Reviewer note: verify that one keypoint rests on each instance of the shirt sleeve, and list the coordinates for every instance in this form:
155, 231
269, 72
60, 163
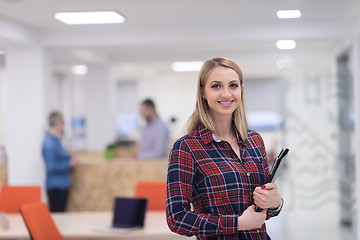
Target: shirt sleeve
275, 212
180, 218
57, 160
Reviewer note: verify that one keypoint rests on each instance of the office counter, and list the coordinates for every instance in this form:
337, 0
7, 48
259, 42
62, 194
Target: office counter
97, 181
3, 174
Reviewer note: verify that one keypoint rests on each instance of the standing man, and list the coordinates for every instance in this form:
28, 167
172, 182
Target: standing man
155, 136
58, 164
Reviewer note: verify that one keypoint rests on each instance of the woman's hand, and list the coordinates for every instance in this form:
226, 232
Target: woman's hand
267, 196
251, 219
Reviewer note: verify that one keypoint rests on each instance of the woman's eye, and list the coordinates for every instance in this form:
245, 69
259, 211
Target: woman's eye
234, 85
215, 86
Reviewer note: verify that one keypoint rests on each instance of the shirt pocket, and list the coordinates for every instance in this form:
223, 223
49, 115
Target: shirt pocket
254, 163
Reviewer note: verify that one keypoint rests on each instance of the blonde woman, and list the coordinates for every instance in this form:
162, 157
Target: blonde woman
217, 172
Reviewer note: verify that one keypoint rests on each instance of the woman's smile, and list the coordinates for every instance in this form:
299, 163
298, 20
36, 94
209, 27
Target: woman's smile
226, 103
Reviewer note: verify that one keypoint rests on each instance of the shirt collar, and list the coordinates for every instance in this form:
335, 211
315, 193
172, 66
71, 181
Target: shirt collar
207, 136
215, 138
52, 135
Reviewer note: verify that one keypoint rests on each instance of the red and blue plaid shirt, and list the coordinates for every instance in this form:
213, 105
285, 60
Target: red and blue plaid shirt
206, 173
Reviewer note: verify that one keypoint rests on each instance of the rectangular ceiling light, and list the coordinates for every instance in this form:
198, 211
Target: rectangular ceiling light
187, 66
102, 17
286, 44
288, 14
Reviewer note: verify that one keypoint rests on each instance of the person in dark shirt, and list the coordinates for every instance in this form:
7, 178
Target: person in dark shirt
218, 172
58, 164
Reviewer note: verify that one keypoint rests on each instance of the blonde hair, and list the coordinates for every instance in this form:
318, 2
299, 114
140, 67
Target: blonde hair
202, 114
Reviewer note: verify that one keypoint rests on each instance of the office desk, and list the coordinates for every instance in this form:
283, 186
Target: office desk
79, 225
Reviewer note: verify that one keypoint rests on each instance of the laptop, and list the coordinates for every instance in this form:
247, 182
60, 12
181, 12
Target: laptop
128, 215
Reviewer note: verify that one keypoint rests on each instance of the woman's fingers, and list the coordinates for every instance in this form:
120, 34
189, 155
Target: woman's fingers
266, 196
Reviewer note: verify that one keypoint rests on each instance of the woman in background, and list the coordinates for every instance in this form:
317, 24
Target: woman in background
217, 172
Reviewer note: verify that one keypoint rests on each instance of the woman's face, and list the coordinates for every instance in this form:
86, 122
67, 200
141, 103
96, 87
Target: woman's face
222, 91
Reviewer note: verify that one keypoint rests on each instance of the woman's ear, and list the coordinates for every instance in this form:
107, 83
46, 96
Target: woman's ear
203, 94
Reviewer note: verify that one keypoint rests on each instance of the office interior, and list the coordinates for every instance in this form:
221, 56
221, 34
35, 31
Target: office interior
305, 98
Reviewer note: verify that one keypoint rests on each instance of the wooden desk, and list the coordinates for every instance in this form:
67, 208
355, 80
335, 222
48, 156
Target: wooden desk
80, 226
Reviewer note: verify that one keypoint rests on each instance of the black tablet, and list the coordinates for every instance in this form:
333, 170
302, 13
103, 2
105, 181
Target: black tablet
275, 167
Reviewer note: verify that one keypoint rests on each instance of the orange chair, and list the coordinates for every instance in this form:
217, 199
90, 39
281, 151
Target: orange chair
155, 192
12, 197
39, 222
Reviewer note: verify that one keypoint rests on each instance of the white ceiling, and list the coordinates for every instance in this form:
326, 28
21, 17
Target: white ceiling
164, 30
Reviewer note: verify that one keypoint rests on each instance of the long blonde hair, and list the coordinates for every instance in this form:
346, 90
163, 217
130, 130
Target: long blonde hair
202, 114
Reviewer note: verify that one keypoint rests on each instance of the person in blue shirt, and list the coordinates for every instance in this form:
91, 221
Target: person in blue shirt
58, 164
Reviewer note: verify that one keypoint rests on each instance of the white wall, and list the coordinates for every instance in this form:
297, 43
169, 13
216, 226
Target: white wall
263, 94
2, 105
51, 87
99, 122
26, 71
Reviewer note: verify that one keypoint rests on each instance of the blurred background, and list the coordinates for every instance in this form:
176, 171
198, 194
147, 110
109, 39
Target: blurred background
303, 95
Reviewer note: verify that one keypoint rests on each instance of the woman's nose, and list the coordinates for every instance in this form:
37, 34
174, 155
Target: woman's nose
226, 93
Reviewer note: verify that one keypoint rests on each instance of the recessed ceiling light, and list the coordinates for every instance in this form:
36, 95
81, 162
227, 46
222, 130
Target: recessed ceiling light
79, 69
284, 62
288, 14
187, 66
103, 17
286, 44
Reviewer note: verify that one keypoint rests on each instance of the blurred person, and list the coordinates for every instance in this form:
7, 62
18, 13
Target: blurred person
217, 173
58, 164
155, 136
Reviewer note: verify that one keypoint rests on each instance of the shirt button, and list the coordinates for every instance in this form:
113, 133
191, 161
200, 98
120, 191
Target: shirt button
248, 174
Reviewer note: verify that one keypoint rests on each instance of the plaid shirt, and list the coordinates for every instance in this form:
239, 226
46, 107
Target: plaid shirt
206, 173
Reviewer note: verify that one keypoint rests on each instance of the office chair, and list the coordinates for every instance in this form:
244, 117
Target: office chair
154, 191
12, 197
39, 222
